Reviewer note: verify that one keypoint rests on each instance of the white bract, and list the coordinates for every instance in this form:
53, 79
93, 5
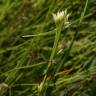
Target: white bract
3, 85
58, 16
61, 16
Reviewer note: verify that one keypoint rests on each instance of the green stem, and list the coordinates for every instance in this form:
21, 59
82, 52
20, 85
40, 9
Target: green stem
57, 37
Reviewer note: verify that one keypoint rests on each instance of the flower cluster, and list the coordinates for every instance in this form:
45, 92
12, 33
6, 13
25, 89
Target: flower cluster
61, 16
3, 85
58, 16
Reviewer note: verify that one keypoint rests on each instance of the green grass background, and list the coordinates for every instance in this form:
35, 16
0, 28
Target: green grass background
27, 34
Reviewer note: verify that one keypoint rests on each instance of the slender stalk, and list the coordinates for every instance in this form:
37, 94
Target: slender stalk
57, 37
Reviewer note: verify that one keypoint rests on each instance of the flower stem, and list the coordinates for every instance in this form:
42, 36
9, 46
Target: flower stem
57, 37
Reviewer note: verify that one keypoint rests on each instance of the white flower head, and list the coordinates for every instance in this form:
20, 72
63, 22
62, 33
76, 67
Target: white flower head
3, 85
58, 16
61, 16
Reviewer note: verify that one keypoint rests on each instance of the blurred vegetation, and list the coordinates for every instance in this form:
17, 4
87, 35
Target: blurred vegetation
27, 33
